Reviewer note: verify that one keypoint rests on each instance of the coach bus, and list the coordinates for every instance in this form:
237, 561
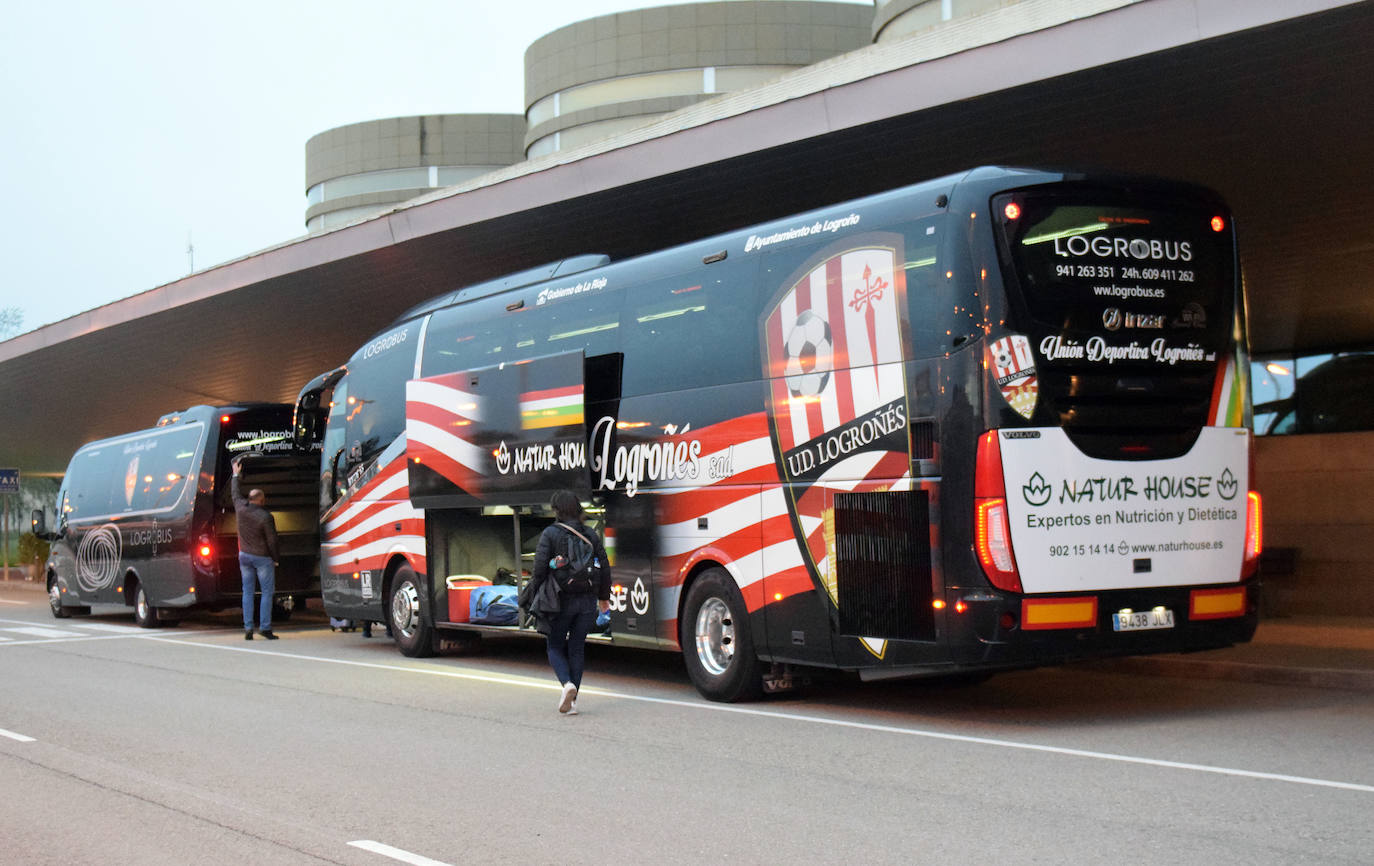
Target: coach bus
147, 520
992, 421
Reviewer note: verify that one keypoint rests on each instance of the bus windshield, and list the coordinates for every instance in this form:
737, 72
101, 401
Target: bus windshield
1095, 267
1129, 307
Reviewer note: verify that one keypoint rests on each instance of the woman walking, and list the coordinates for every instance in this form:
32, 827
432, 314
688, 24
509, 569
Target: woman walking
573, 556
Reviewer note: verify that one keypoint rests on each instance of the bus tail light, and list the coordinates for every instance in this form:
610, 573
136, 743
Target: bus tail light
1254, 536
1254, 524
205, 551
991, 524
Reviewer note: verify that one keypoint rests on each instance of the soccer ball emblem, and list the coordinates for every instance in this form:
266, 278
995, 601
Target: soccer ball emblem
808, 354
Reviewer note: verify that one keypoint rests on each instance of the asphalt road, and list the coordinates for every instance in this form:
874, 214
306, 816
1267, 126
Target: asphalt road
191, 746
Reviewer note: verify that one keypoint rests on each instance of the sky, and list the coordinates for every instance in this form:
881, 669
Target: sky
133, 130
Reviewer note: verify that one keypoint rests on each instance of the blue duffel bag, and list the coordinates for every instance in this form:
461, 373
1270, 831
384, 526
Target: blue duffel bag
494, 605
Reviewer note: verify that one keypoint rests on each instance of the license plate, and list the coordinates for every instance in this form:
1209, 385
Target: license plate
1143, 620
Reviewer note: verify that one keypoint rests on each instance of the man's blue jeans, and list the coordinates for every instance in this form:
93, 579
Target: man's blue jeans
257, 571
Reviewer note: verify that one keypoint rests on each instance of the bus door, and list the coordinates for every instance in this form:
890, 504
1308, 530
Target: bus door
320, 426
486, 449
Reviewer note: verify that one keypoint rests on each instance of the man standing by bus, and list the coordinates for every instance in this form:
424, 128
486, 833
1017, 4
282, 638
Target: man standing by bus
257, 554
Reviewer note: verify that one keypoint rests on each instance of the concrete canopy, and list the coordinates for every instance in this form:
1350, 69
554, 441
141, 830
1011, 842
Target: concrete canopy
1270, 103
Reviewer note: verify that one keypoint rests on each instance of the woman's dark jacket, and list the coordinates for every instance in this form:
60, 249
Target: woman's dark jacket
550, 545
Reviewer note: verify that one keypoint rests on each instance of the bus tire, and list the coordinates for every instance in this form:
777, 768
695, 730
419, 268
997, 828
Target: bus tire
144, 613
716, 643
406, 610
55, 600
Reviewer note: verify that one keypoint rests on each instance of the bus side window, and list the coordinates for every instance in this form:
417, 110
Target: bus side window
91, 477
938, 313
692, 330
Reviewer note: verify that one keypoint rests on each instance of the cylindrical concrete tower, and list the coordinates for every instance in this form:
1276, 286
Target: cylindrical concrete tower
364, 168
898, 18
601, 76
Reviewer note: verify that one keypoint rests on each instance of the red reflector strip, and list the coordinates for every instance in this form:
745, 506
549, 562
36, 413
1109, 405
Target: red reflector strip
1043, 613
1216, 603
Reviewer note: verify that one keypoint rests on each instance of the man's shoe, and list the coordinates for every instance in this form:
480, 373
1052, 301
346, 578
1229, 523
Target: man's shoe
248, 634
267, 633
565, 701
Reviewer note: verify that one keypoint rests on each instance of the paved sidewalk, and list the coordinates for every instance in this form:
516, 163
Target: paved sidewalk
1316, 651
1321, 651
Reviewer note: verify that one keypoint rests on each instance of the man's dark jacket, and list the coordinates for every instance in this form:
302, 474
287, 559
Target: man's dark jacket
257, 529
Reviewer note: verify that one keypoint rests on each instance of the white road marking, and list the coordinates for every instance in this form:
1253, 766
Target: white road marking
13, 736
105, 626
7, 601
79, 639
812, 720
40, 631
395, 853
76, 633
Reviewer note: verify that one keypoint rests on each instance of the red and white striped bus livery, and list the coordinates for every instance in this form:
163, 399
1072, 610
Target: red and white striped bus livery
992, 421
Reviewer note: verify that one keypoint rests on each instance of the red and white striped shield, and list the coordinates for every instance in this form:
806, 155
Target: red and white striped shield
837, 394
1013, 365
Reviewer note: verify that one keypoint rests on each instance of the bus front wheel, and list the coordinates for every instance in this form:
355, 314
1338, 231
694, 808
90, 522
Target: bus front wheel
716, 643
55, 600
414, 637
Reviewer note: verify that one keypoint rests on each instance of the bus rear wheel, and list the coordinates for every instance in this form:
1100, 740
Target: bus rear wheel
406, 608
716, 644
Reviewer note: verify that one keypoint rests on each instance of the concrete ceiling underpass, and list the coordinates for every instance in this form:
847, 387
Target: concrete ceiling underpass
1277, 117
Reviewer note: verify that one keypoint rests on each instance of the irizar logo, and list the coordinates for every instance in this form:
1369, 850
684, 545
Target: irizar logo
1114, 320
1036, 491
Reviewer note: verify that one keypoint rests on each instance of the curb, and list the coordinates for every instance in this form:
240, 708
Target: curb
1343, 679
1247, 672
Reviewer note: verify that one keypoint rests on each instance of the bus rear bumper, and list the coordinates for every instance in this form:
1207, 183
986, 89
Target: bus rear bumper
988, 631
1017, 630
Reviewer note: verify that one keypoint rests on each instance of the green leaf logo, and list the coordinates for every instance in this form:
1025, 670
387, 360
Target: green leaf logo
1227, 486
1036, 491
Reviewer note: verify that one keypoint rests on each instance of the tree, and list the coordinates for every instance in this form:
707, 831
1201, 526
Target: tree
11, 322
32, 549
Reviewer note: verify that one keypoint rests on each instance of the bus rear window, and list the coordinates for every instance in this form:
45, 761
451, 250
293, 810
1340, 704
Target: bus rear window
1094, 266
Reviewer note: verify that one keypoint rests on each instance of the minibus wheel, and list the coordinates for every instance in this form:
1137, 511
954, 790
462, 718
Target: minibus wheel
144, 614
55, 599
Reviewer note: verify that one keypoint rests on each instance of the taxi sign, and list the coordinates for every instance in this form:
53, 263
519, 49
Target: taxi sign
9, 480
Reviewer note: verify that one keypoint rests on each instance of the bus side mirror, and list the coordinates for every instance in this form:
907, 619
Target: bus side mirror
38, 524
312, 410
338, 482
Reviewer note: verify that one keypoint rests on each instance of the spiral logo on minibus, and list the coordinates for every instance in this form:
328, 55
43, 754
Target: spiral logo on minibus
97, 558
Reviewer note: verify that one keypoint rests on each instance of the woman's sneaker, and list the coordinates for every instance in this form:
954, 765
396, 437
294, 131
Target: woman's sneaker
568, 698
572, 710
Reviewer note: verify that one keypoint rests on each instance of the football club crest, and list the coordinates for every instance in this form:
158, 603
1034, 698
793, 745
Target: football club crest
833, 343
1013, 365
